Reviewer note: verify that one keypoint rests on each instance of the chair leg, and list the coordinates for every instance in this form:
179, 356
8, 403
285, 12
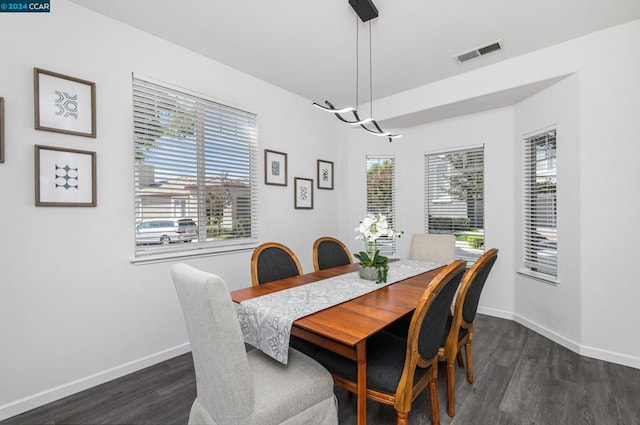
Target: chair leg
468, 348
433, 398
460, 360
402, 418
450, 388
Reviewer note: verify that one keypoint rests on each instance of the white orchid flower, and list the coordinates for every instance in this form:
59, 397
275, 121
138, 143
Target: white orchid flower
370, 229
374, 233
365, 227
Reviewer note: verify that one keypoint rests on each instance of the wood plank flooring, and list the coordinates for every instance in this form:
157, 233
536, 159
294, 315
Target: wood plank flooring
520, 378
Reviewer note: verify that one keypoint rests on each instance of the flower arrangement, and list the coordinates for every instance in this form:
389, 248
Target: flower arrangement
370, 230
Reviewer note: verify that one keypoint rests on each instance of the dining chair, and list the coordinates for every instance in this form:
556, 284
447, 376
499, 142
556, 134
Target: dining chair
460, 324
399, 369
236, 387
330, 252
435, 248
272, 261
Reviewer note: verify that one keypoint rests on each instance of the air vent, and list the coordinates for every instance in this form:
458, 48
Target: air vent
480, 51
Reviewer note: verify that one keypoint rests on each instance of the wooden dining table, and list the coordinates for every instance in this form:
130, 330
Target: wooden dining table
345, 328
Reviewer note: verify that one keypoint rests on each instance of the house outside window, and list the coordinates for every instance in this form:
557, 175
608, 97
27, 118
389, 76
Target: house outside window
454, 198
381, 195
540, 233
195, 160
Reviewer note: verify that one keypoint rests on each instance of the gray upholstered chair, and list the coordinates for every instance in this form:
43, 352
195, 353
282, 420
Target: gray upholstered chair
273, 261
330, 252
434, 248
236, 387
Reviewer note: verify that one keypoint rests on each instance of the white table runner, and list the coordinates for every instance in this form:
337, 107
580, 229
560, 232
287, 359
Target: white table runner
266, 321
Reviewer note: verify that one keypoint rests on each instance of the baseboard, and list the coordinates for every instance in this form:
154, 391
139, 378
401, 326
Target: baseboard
583, 350
553, 336
502, 314
610, 356
40, 399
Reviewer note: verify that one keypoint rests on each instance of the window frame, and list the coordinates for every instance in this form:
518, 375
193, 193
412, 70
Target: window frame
219, 145
532, 175
447, 207
386, 245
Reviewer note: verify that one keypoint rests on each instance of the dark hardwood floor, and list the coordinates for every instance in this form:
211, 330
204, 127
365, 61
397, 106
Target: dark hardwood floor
520, 378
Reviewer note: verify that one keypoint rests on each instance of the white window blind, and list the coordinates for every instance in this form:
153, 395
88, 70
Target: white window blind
454, 198
540, 237
195, 167
381, 196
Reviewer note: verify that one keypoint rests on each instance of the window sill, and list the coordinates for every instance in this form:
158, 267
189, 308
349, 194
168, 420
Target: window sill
162, 257
545, 278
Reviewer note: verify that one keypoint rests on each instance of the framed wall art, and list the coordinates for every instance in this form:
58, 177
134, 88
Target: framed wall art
325, 174
1, 129
275, 168
303, 192
65, 177
64, 104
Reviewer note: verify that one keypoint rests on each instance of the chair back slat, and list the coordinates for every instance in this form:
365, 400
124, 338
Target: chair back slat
272, 261
275, 264
484, 266
434, 324
330, 252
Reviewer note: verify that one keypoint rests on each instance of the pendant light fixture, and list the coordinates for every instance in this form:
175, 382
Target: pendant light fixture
366, 10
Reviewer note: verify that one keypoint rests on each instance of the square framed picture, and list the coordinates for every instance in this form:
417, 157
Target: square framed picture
325, 174
303, 192
64, 104
65, 177
1, 129
275, 168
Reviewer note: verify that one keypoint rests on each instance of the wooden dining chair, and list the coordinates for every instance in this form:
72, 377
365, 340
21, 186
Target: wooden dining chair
399, 369
431, 247
272, 261
460, 324
330, 252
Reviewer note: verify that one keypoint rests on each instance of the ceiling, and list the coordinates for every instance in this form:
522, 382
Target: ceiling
308, 46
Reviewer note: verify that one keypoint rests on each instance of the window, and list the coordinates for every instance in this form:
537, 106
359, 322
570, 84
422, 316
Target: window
454, 198
381, 196
540, 206
195, 161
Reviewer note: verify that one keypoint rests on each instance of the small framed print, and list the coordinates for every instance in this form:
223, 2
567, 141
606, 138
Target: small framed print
1, 129
303, 192
325, 174
65, 177
275, 168
64, 104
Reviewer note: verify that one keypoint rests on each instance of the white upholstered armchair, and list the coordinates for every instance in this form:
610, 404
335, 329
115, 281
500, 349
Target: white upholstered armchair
239, 388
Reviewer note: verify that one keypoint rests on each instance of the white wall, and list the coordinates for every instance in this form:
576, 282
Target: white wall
494, 129
610, 148
596, 296
74, 311
596, 109
540, 305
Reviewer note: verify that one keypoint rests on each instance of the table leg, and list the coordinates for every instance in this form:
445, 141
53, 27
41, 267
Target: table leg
361, 354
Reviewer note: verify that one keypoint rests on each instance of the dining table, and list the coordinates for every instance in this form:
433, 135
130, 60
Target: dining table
344, 328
